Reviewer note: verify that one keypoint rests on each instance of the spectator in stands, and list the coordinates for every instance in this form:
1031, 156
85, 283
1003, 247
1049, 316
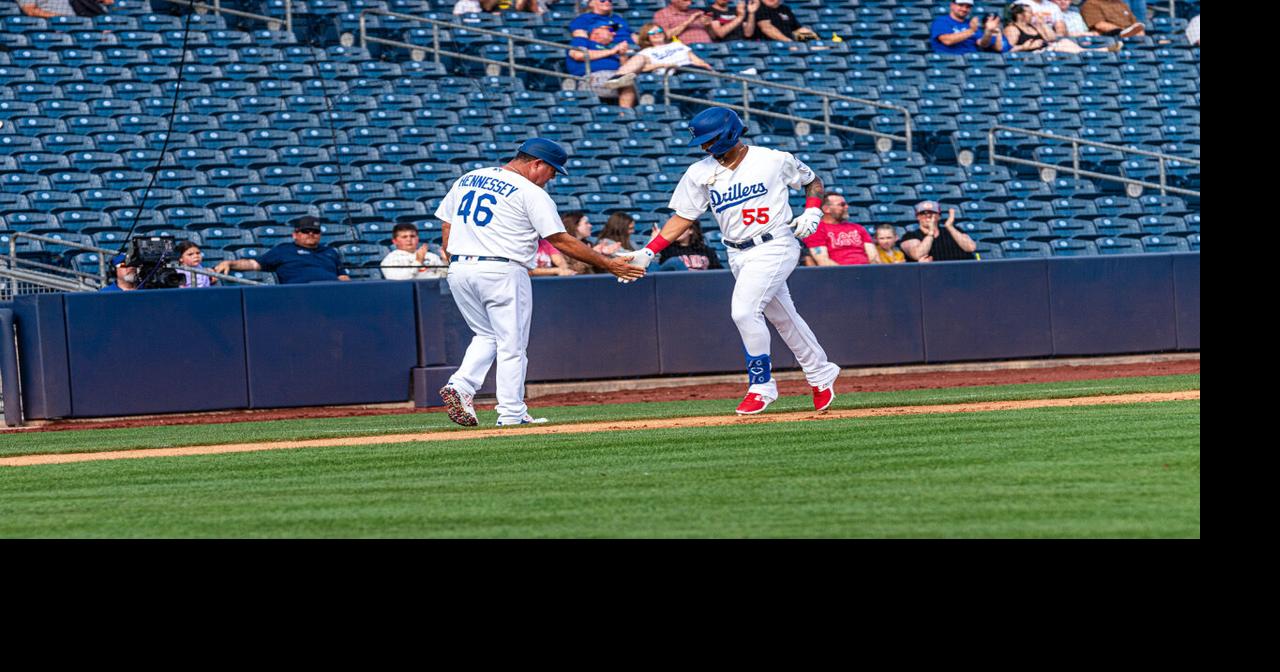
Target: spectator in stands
733, 25
1072, 21
606, 53
475, 6
577, 225
956, 33
839, 242
301, 261
1112, 18
927, 243
886, 239
656, 54
1193, 31
50, 8
190, 256
775, 21
126, 276
548, 261
1027, 31
683, 23
616, 236
1048, 12
689, 252
411, 260
601, 13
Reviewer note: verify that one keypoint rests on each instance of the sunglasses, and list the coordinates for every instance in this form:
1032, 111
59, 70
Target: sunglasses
310, 231
655, 31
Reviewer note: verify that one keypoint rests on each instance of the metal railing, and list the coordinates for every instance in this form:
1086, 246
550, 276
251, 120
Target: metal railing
513, 67
61, 279
273, 22
1075, 169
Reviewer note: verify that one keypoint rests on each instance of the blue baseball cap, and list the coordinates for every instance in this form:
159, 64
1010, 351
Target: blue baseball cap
548, 151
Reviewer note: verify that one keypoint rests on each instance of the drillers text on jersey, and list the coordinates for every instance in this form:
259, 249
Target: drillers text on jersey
736, 194
489, 184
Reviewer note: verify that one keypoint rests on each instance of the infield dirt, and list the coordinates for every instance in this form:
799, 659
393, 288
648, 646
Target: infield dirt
617, 426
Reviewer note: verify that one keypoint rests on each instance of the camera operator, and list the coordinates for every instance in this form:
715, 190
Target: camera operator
126, 276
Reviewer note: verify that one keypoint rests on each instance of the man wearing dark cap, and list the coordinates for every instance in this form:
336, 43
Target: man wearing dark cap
301, 261
492, 220
931, 243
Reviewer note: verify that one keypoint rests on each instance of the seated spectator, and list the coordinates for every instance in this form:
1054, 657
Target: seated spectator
775, 21
1112, 18
683, 23
301, 261
1027, 31
927, 243
50, 8
956, 33
410, 260
548, 261
475, 6
606, 54
1048, 12
601, 13
733, 25
656, 54
1073, 23
616, 236
190, 256
689, 252
1193, 31
886, 238
126, 276
838, 242
577, 225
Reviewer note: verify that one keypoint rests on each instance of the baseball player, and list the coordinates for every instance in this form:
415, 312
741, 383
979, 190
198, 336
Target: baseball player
492, 221
746, 189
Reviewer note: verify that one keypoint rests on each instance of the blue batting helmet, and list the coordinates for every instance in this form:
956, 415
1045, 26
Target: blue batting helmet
717, 124
548, 151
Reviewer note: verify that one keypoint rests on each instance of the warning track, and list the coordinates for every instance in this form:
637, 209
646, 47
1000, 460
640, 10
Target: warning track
588, 427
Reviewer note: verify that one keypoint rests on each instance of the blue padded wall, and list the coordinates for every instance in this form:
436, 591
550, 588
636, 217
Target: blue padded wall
42, 353
155, 351
433, 302
862, 315
1186, 283
592, 327
695, 330
986, 311
330, 343
1112, 305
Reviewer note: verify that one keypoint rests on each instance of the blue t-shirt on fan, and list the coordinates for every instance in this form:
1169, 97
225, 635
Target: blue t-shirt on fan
945, 25
294, 264
589, 21
578, 69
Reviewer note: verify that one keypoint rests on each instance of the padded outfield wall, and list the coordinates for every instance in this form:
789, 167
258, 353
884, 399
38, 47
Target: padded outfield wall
90, 355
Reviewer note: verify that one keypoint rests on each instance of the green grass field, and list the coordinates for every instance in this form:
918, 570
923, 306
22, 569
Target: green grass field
1113, 471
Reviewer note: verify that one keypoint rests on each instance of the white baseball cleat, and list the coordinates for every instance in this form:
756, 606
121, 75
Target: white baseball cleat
526, 420
459, 406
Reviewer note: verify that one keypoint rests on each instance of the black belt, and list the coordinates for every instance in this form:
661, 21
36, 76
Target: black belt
748, 244
471, 258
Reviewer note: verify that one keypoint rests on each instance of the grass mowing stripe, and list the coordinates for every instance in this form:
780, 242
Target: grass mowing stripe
159, 437
1116, 471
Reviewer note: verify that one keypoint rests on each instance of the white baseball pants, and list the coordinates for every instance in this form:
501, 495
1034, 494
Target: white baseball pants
761, 292
496, 300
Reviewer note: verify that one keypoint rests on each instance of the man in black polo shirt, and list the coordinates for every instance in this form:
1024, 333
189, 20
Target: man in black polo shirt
301, 261
775, 21
927, 243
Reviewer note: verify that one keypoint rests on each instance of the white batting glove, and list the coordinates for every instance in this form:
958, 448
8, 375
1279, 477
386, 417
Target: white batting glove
807, 223
640, 258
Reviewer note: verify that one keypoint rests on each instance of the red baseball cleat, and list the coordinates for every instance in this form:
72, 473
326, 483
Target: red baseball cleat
823, 396
753, 404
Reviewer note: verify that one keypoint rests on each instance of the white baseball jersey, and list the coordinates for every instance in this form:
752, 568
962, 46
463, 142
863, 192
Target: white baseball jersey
747, 202
495, 212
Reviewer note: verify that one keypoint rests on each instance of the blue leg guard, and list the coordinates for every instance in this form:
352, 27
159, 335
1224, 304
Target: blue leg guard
759, 369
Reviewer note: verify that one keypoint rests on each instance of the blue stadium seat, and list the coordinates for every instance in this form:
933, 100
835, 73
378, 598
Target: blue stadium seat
1022, 249
263, 194
238, 215
1064, 247
208, 196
